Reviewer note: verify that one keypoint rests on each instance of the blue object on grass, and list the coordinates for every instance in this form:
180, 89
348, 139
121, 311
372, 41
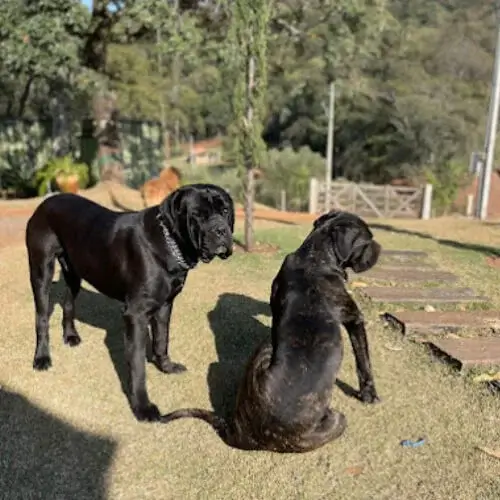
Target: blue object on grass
408, 443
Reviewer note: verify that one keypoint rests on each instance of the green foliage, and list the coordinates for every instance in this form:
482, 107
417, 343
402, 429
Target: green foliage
412, 78
25, 146
248, 38
64, 165
447, 179
290, 171
142, 148
227, 177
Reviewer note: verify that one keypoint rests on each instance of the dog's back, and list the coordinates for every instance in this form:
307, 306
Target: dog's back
308, 343
80, 234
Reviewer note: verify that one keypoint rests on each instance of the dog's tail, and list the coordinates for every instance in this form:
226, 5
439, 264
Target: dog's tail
220, 425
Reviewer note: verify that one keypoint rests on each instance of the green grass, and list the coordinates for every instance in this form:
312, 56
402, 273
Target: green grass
75, 421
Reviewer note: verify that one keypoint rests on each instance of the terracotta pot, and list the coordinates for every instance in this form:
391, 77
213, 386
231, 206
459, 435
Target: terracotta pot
68, 183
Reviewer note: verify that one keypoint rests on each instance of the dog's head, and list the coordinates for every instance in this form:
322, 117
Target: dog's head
202, 216
352, 240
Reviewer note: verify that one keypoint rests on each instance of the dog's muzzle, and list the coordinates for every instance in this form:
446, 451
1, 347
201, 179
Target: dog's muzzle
225, 240
218, 241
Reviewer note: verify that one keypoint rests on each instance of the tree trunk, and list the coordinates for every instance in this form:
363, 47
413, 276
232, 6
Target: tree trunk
250, 177
24, 96
249, 199
108, 138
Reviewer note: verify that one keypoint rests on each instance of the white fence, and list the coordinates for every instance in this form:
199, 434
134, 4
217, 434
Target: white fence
370, 200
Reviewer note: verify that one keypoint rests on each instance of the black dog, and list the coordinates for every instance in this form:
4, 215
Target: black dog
139, 258
283, 401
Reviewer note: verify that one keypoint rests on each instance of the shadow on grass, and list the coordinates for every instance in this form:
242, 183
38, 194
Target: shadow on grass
104, 313
237, 334
487, 250
44, 457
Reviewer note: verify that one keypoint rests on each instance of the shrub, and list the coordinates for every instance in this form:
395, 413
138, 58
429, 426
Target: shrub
447, 179
291, 171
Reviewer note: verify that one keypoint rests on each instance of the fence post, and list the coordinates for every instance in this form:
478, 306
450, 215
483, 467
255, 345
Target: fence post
469, 211
313, 195
427, 202
387, 200
283, 200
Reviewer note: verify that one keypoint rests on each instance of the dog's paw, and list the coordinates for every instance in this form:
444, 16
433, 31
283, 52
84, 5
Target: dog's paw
369, 395
167, 366
149, 413
176, 368
42, 363
72, 340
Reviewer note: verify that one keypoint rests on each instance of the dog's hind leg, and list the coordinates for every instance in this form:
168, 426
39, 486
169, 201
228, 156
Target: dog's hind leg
41, 254
330, 427
73, 285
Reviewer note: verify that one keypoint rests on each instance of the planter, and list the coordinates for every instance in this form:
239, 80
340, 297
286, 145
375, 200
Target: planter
68, 183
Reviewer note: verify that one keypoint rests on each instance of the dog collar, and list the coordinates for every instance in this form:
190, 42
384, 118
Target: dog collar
172, 245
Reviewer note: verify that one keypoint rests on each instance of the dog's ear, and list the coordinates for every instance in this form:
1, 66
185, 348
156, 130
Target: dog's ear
365, 256
325, 218
173, 206
175, 211
353, 242
230, 207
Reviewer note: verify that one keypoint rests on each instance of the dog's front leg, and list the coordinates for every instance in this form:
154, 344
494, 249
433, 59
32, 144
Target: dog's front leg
354, 323
160, 329
136, 332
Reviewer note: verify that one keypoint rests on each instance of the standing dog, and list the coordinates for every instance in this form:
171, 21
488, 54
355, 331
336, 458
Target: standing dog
283, 401
139, 258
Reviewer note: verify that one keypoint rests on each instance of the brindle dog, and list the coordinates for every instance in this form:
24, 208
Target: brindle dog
283, 401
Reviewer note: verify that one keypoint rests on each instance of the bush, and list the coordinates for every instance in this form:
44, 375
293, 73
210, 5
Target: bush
291, 171
224, 176
447, 179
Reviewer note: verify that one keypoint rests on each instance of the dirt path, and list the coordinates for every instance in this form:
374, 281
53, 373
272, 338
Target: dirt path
15, 214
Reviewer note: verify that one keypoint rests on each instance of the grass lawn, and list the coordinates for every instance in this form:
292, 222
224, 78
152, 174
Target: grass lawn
70, 434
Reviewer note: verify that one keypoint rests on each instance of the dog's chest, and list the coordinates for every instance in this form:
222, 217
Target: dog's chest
167, 289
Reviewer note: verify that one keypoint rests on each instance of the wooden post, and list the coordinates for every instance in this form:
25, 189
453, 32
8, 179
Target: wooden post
469, 211
191, 152
387, 200
313, 196
427, 202
329, 151
283, 200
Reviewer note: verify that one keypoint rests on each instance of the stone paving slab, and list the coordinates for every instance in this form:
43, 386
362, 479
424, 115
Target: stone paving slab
403, 253
470, 352
404, 274
421, 295
422, 322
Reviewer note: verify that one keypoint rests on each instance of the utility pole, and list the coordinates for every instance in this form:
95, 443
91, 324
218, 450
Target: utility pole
176, 74
329, 150
491, 132
160, 71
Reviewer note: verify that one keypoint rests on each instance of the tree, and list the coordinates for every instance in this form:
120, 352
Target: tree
40, 51
249, 37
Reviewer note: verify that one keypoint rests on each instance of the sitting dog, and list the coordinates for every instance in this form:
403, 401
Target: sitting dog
283, 401
139, 258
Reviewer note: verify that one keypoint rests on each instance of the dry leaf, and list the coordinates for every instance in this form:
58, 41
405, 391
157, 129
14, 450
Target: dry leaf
489, 451
358, 284
354, 470
486, 377
393, 347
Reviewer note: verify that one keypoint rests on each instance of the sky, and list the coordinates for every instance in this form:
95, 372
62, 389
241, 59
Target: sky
88, 3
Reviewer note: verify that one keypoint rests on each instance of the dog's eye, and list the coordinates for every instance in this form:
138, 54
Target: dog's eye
225, 211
